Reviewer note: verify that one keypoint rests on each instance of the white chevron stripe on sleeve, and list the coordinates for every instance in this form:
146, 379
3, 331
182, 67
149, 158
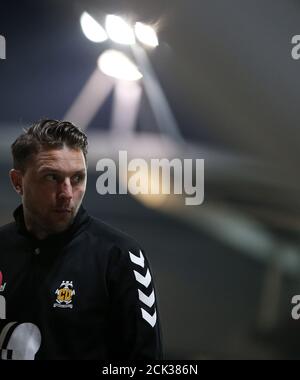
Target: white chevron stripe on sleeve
149, 301
144, 280
138, 260
151, 319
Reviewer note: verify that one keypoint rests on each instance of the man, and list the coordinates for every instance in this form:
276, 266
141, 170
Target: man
86, 287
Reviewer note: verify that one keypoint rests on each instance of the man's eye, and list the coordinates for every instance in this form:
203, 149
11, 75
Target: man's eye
77, 178
51, 177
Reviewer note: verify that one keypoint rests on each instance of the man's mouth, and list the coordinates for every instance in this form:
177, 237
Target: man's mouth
63, 210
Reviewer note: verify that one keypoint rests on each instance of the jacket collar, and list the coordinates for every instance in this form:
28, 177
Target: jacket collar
81, 220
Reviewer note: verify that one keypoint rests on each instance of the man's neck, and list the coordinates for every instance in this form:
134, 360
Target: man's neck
34, 228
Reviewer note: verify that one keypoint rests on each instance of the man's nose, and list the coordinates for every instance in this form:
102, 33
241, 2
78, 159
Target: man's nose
65, 190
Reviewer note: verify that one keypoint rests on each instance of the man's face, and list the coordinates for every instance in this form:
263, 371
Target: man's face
53, 186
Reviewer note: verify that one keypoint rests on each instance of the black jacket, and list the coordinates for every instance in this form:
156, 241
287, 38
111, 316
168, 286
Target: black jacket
89, 290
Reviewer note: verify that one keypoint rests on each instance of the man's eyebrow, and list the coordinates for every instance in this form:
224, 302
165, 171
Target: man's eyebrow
55, 170
48, 169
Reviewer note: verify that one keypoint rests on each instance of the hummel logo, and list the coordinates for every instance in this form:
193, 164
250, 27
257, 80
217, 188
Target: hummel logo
144, 280
149, 301
137, 260
151, 319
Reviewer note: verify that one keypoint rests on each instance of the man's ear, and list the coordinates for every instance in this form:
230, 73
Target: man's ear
16, 178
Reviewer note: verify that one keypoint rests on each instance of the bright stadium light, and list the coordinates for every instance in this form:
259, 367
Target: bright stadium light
117, 65
146, 34
92, 29
119, 31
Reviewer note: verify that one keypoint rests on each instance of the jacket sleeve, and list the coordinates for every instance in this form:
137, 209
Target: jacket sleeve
19, 341
134, 326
